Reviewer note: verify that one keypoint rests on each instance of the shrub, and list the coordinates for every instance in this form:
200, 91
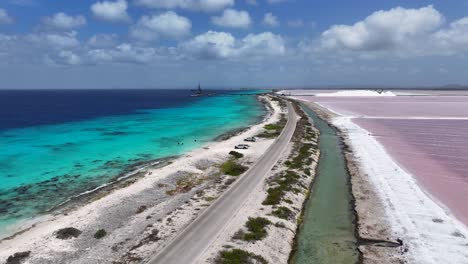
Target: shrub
236, 154
238, 256
18, 257
67, 233
100, 234
272, 127
283, 213
256, 229
233, 168
285, 182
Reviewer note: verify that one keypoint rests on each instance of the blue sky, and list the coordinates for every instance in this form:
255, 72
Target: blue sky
232, 43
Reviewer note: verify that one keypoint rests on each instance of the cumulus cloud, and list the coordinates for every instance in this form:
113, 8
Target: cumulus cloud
265, 43
113, 11
124, 53
68, 57
454, 39
167, 24
103, 40
54, 40
270, 20
4, 17
233, 18
63, 21
383, 30
197, 5
222, 45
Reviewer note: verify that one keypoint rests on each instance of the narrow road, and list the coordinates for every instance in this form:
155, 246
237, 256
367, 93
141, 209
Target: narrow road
196, 238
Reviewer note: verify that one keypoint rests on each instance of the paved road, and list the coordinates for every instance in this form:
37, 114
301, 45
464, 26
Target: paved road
196, 238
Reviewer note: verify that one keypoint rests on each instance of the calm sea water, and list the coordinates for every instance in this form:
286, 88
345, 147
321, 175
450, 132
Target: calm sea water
58, 144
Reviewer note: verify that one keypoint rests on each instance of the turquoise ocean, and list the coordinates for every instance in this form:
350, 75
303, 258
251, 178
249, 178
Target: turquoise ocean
86, 145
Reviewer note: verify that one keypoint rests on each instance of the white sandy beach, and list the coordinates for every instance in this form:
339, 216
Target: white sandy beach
136, 236
430, 233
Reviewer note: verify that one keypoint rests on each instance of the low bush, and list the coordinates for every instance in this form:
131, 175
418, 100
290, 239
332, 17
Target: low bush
100, 234
233, 168
238, 256
285, 183
67, 233
256, 229
283, 213
236, 154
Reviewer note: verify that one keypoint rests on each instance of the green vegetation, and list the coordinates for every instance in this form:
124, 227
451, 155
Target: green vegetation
283, 212
304, 153
236, 154
273, 126
273, 130
100, 234
285, 183
238, 256
67, 233
256, 229
233, 168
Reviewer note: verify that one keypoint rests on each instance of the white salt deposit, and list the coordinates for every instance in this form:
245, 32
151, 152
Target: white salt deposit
356, 93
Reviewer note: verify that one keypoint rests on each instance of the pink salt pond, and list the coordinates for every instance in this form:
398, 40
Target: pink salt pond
426, 135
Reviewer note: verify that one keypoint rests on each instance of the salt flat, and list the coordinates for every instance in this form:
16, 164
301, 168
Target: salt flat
413, 150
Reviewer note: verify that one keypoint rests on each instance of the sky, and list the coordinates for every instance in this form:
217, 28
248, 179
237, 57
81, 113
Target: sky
232, 43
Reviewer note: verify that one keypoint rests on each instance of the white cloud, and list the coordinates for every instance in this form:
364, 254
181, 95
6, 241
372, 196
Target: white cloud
4, 17
453, 39
111, 11
63, 21
222, 45
197, 5
233, 19
383, 30
211, 44
270, 20
103, 40
125, 53
69, 57
55, 40
265, 43
167, 24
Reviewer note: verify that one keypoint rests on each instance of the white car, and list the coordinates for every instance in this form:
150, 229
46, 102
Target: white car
251, 139
242, 146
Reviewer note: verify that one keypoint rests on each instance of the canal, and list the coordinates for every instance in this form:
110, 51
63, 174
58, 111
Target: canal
327, 232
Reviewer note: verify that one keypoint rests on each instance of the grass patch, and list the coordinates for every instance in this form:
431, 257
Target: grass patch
283, 213
276, 126
285, 183
273, 130
256, 229
238, 256
236, 154
233, 168
100, 234
304, 153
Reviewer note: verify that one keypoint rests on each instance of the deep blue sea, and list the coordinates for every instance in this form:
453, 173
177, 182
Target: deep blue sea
55, 144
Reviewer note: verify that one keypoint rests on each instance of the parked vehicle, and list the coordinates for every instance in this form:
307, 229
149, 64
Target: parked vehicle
251, 139
242, 146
